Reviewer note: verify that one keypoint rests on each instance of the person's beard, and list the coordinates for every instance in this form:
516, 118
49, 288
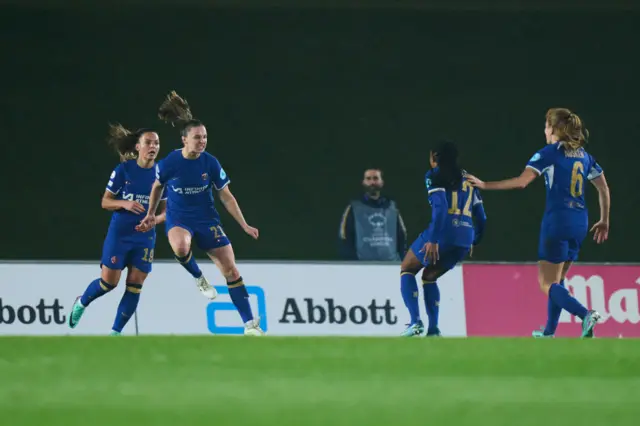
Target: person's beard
372, 190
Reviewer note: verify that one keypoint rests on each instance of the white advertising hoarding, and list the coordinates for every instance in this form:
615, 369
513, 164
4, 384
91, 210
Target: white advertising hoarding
297, 299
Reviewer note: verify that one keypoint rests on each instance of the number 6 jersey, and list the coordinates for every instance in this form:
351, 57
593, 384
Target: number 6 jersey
565, 172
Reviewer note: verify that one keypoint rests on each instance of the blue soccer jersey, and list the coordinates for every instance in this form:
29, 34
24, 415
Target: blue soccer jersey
565, 172
457, 228
130, 182
190, 184
123, 245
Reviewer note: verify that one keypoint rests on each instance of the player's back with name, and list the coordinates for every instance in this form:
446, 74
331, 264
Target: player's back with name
458, 226
565, 172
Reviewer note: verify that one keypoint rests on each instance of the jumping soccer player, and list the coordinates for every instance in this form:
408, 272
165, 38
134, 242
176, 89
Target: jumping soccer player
190, 174
565, 165
126, 244
451, 235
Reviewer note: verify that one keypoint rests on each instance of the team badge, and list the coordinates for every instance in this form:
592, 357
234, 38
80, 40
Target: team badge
114, 260
205, 176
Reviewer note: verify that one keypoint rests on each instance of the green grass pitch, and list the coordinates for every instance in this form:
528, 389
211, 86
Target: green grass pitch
220, 381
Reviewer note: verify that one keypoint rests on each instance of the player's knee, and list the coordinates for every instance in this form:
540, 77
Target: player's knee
136, 276
230, 272
544, 285
408, 266
134, 288
429, 276
110, 278
181, 249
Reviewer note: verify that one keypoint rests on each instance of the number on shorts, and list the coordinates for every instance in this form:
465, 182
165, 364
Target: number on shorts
217, 231
148, 255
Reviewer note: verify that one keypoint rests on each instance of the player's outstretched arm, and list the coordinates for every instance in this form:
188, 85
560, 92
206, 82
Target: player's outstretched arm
601, 228
526, 177
231, 204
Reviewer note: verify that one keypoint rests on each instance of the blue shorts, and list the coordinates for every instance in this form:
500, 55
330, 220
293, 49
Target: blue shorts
559, 249
206, 235
450, 256
119, 253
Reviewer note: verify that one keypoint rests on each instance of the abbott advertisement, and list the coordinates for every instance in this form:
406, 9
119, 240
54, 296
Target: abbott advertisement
317, 299
291, 299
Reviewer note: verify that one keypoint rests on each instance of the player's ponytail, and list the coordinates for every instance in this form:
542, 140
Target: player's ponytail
449, 174
568, 127
123, 141
176, 110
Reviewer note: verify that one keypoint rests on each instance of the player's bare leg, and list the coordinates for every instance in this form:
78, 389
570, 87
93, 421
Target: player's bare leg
180, 241
225, 260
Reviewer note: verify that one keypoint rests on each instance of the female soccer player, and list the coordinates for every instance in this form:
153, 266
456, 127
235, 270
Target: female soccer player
565, 165
450, 237
190, 174
126, 244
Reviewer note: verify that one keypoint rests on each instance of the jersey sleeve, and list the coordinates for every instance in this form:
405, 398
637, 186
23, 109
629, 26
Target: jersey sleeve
163, 172
438, 202
116, 180
541, 160
163, 197
594, 170
431, 185
218, 175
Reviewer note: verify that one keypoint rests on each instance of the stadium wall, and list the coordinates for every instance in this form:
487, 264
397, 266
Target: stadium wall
305, 299
299, 101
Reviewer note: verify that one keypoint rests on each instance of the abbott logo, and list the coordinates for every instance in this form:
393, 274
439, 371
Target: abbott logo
215, 306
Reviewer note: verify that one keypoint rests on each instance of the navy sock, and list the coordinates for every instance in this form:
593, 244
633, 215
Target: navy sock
240, 299
553, 316
127, 306
409, 290
561, 297
97, 288
432, 304
189, 263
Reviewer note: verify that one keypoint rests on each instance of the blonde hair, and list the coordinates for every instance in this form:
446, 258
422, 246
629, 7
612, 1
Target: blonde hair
568, 127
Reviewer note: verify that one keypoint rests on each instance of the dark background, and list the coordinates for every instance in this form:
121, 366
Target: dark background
298, 102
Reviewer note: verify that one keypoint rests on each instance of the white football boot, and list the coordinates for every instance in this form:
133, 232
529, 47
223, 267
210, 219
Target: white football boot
252, 328
205, 288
